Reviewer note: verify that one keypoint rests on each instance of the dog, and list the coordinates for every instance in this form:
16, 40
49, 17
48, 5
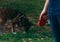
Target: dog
16, 16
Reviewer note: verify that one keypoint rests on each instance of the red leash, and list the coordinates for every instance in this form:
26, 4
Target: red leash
42, 21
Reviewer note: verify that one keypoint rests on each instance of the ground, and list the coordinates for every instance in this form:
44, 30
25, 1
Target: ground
26, 37
32, 8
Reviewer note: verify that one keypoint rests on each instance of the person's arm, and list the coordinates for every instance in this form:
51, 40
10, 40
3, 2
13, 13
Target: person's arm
45, 8
43, 16
46, 5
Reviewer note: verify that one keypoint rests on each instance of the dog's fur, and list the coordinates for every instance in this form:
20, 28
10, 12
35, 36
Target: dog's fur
16, 16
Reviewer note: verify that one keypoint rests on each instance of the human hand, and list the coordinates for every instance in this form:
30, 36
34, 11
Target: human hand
43, 18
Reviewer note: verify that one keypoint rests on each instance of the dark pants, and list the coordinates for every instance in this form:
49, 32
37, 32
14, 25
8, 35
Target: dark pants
55, 24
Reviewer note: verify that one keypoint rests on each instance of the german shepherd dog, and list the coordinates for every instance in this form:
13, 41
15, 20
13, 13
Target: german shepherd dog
17, 18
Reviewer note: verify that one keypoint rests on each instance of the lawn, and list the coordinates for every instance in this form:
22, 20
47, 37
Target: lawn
29, 40
26, 37
32, 8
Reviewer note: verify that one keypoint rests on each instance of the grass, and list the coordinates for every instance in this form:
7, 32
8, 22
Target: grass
32, 8
34, 35
25, 5
29, 40
26, 37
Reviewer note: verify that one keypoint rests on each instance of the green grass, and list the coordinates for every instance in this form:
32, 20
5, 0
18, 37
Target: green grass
29, 40
30, 7
27, 37
33, 9
33, 6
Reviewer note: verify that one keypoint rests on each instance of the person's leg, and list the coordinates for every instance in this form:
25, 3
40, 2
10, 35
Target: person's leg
56, 19
55, 24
